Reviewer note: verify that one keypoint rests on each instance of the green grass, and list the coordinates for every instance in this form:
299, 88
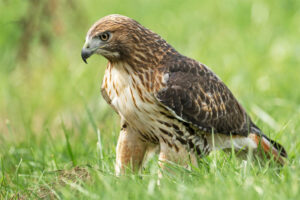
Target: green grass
58, 136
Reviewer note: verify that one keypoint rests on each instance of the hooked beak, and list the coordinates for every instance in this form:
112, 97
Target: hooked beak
86, 53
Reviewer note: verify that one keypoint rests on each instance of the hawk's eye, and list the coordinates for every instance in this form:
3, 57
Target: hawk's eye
104, 36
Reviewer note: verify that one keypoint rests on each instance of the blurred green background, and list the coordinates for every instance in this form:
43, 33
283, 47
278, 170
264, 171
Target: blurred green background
50, 101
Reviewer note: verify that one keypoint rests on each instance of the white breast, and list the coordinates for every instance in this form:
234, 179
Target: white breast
121, 88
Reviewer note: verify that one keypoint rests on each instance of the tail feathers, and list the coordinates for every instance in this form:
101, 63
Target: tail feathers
278, 147
270, 146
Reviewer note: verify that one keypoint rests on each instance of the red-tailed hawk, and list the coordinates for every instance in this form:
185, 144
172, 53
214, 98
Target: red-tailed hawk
167, 101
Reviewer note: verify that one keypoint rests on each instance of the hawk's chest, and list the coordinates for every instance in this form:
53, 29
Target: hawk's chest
131, 94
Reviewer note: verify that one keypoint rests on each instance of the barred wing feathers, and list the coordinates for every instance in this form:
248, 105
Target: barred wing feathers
196, 95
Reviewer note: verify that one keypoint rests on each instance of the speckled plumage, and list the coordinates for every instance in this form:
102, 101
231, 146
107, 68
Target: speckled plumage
166, 101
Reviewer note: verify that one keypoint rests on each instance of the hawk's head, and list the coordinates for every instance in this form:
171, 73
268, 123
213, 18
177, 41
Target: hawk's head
118, 37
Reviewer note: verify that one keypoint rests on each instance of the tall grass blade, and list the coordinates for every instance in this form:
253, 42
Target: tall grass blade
69, 148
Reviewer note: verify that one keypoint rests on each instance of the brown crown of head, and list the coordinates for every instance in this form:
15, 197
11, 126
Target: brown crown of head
119, 38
